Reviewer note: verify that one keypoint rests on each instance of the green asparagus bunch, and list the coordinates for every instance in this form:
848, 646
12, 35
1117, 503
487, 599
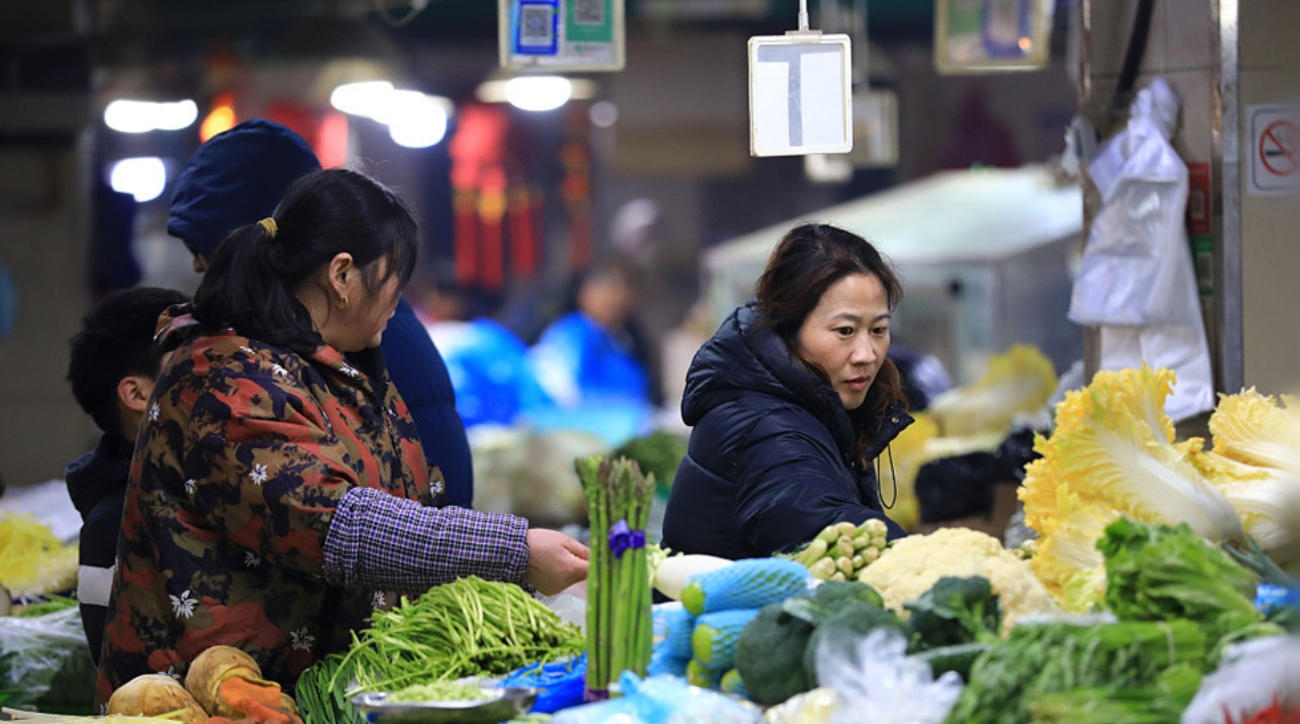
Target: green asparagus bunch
619, 627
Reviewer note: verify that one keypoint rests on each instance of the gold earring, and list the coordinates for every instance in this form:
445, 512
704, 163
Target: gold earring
343, 302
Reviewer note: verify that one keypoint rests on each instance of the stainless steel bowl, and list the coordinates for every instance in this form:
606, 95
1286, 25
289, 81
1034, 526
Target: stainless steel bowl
498, 705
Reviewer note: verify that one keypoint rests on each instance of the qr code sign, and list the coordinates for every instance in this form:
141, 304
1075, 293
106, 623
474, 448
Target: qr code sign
536, 26
589, 12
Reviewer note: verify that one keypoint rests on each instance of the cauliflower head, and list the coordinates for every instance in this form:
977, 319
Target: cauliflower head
914, 564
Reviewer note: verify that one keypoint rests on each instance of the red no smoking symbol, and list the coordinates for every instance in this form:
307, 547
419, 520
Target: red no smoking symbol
1279, 148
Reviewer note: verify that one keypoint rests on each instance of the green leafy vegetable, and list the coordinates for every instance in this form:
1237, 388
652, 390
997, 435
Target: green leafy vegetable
954, 611
1161, 703
49, 604
1159, 572
658, 453
1101, 664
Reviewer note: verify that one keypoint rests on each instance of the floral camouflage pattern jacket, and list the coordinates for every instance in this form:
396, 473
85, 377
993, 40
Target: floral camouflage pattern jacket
241, 461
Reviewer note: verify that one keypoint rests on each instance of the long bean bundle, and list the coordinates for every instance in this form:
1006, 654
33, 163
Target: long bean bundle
469, 627
322, 693
619, 627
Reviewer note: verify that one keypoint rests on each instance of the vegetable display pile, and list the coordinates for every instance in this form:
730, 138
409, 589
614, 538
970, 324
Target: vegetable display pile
1256, 464
470, 627
915, 564
1159, 572
221, 682
466, 628
1068, 673
1113, 455
619, 626
776, 655
1017, 382
33, 562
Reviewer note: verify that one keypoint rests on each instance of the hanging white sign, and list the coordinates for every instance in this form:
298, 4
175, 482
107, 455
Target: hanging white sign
800, 97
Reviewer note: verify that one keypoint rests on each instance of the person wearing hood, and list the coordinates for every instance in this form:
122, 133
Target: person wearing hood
238, 177
279, 495
112, 367
793, 404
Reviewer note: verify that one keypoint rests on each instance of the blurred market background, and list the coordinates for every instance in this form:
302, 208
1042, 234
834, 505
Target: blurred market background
637, 188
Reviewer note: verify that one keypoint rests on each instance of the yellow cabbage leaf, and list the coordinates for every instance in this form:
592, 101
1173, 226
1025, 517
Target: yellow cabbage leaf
1019, 381
1254, 429
1111, 455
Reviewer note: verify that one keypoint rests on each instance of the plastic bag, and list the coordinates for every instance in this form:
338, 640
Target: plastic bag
46, 661
1137, 281
811, 707
962, 485
561, 683
876, 682
1250, 677
571, 608
663, 700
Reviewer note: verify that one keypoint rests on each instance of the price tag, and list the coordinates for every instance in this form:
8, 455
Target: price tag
800, 99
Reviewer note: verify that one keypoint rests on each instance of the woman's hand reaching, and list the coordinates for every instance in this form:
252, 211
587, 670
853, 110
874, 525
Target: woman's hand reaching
555, 561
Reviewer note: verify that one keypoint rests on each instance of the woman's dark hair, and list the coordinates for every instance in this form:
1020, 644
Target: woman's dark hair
807, 262
253, 273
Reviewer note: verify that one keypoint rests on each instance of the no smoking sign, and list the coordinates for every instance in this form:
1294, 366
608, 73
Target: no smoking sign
1274, 149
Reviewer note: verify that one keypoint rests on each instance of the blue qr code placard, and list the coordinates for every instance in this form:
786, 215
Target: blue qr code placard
536, 27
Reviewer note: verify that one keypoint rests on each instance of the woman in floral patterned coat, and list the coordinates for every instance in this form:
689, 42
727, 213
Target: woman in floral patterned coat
279, 493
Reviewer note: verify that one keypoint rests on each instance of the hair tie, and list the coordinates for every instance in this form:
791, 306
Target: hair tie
269, 226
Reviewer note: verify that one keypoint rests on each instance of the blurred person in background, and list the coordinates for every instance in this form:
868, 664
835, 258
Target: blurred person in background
113, 364
923, 376
666, 267
594, 354
238, 177
278, 489
487, 362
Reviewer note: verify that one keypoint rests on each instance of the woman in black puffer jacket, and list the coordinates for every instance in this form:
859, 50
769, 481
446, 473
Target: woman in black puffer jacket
792, 402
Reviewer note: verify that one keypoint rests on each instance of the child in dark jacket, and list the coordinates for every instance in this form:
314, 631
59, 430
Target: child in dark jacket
113, 365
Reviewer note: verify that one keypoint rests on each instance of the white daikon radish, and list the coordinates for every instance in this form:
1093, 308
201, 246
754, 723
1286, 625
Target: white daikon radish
676, 571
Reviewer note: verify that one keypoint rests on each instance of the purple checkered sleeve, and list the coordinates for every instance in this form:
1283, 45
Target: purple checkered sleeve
380, 541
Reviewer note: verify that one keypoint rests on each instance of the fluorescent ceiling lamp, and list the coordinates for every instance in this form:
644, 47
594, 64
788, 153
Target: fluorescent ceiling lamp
126, 116
538, 92
144, 178
495, 90
416, 120
361, 99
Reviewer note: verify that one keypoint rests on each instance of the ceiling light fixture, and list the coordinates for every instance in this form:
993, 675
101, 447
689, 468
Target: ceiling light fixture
126, 116
144, 178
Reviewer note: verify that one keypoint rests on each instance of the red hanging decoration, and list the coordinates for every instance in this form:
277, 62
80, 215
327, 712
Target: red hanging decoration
523, 242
